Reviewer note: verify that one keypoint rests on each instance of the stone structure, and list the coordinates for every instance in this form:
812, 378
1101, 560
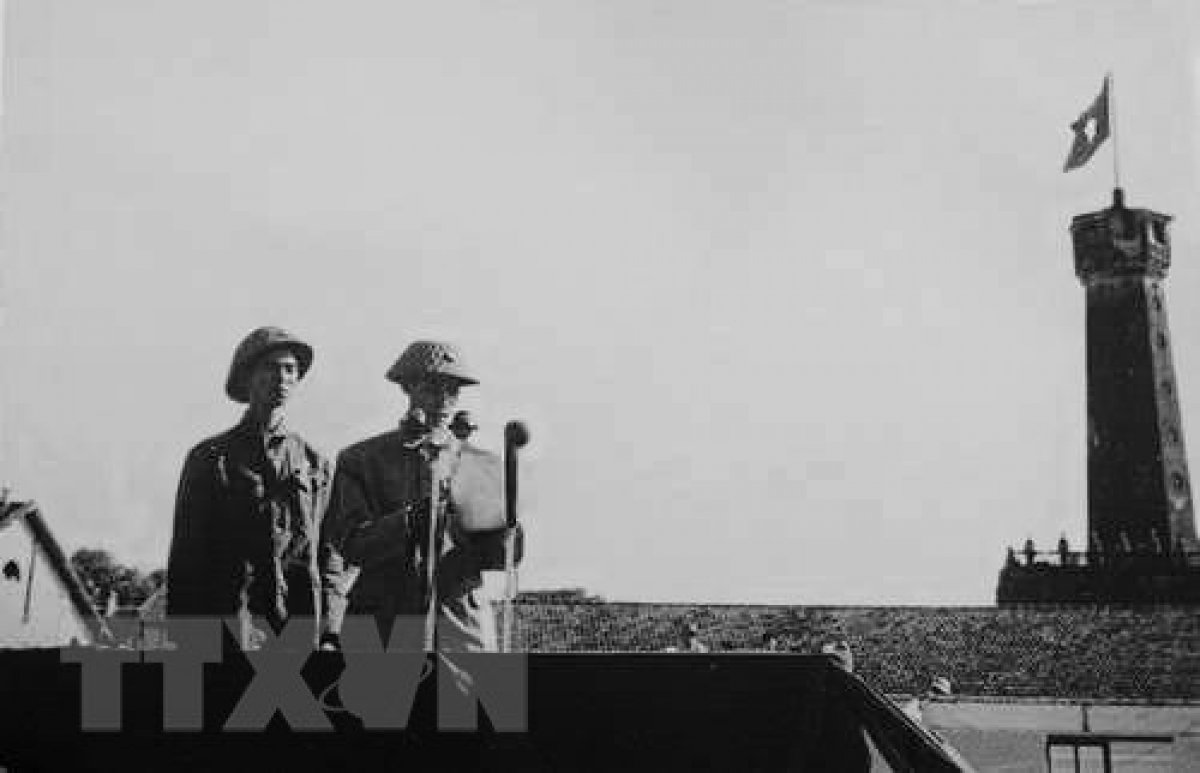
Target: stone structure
1141, 524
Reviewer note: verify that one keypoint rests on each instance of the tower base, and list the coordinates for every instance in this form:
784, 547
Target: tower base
1092, 578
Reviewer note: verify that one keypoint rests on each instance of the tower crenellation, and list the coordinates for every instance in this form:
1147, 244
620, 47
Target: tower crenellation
1121, 243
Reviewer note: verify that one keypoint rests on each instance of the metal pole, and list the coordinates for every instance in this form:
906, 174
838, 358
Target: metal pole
515, 437
432, 554
1112, 118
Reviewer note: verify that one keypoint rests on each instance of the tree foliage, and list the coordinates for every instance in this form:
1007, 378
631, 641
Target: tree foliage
103, 576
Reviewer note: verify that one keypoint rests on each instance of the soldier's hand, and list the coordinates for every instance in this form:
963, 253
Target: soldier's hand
375, 540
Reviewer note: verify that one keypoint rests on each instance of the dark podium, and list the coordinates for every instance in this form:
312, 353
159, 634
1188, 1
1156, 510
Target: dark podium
579, 712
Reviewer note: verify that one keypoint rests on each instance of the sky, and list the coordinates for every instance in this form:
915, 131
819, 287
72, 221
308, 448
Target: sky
783, 290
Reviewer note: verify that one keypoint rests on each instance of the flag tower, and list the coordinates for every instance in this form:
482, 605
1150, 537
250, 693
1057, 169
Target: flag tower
1142, 544
1139, 489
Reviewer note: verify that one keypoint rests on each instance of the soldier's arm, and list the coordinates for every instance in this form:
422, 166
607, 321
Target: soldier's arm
353, 535
325, 472
337, 575
322, 490
321, 494
357, 532
190, 552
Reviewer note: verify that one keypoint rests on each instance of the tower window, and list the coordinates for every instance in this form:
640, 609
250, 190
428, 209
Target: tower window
1161, 338
1172, 434
1178, 482
1158, 232
1167, 387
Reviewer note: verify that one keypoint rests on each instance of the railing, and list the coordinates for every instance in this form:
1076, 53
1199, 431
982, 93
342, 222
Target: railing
1077, 558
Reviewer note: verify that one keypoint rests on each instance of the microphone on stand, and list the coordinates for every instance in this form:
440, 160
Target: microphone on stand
418, 434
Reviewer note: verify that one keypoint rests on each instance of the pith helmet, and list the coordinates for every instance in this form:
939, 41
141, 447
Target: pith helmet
430, 358
255, 345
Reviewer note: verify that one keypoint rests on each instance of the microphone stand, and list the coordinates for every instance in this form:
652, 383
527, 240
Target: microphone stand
430, 449
433, 550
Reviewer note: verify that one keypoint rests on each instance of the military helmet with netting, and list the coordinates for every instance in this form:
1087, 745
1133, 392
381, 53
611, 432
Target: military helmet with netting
430, 358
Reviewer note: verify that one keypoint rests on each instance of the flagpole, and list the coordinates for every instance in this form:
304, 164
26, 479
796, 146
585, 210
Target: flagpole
1112, 116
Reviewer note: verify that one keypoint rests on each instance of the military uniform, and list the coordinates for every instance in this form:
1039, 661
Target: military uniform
246, 526
376, 534
248, 513
375, 540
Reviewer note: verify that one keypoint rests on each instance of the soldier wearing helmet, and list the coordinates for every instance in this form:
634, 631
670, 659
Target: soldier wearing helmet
250, 502
377, 534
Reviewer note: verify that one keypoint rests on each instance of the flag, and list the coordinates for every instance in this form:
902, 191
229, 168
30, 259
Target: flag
1091, 130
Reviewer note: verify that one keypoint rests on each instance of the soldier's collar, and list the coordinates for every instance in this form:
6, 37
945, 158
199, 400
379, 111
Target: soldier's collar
276, 431
412, 428
413, 434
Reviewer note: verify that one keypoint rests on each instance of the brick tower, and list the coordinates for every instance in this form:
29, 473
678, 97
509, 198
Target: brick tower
1141, 525
1139, 491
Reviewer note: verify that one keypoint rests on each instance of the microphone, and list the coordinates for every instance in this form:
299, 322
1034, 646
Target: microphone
516, 434
419, 435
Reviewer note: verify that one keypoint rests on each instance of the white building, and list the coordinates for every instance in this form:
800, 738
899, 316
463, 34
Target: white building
42, 601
